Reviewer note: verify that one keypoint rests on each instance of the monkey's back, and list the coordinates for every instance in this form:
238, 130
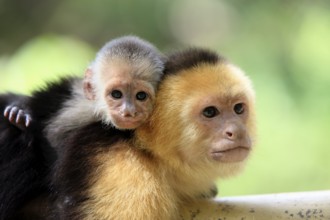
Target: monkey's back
105, 177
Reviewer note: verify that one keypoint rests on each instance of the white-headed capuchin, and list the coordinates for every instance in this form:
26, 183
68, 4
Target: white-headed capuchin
118, 89
202, 128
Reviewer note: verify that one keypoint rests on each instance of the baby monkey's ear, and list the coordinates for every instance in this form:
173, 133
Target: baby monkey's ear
88, 85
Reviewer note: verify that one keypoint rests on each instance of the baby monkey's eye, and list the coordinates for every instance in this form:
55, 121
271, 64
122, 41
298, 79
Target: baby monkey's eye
210, 112
116, 94
141, 96
239, 108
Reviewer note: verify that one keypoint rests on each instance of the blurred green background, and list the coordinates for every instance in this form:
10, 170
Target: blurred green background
284, 46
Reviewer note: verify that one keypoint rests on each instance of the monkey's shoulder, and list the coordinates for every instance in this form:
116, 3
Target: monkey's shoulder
92, 139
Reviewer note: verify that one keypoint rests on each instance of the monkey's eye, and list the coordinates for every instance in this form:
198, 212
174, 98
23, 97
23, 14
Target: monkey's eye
141, 96
239, 108
210, 112
116, 94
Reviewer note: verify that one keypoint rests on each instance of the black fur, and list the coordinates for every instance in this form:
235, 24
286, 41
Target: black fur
75, 165
10, 135
26, 156
190, 58
19, 169
44, 104
48, 101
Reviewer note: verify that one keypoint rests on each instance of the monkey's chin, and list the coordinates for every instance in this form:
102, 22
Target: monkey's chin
232, 155
127, 124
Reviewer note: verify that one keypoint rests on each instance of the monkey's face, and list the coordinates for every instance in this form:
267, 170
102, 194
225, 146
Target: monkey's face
128, 99
225, 118
208, 111
129, 102
221, 109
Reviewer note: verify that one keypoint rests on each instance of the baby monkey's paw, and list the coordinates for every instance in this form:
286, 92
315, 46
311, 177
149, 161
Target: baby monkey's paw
17, 117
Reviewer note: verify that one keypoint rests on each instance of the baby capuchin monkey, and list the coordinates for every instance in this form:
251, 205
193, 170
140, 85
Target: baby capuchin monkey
123, 80
118, 89
120, 83
202, 128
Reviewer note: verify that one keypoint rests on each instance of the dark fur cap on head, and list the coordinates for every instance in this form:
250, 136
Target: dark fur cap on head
190, 58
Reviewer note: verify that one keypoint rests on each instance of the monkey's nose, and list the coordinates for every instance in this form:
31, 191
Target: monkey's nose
233, 132
129, 113
229, 134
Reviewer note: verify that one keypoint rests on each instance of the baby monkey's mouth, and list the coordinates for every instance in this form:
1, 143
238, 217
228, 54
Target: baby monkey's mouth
128, 123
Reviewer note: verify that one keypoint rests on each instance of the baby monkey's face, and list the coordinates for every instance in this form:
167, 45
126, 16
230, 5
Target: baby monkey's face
129, 102
129, 99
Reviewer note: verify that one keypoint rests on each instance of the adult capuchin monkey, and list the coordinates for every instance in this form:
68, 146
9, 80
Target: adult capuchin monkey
118, 89
202, 128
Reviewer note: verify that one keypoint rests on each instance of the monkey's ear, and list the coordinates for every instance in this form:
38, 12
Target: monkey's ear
88, 85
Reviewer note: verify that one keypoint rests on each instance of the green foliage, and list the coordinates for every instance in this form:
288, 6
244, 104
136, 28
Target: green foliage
282, 45
43, 59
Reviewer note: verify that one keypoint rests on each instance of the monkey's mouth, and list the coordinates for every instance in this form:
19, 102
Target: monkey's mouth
230, 155
126, 123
